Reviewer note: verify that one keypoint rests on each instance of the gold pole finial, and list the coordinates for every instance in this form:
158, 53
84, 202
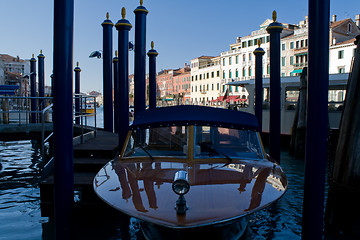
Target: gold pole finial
33, 55
107, 16
259, 42
77, 64
116, 53
274, 16
40, 51
141, 2
123, 13
152, 45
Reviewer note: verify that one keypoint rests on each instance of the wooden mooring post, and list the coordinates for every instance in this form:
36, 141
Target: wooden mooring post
297, 143
343, 209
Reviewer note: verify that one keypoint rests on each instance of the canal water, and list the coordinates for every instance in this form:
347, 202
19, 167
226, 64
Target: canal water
20, 216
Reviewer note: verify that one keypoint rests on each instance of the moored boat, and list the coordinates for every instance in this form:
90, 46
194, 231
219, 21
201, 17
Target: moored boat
88, 108
188, 170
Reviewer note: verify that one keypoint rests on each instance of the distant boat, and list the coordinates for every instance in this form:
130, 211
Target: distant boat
187, 171
290, 87
88, 108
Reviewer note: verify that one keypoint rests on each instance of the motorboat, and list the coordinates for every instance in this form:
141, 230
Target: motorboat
191, 171
88, 108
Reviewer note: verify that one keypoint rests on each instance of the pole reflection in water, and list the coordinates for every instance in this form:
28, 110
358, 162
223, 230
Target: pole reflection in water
20, 200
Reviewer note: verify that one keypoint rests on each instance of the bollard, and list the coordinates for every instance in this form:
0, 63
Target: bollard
123, 26
107, 73
52, 84
41, 79
140, 59
259, 52
63, 121
152, 76
77, 71
274, 29
33, 89
116, 91
317, 119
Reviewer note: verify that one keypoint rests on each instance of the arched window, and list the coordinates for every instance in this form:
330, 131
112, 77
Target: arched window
223, 74
243, 70
249, 71
237, 73
230, 74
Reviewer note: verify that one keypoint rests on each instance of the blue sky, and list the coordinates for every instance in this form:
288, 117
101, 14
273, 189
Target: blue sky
181, 29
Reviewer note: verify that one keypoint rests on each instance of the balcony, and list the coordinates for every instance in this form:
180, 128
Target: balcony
301, 51
300, 65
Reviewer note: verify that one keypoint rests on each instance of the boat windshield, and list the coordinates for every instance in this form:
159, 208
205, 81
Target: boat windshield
221, 142
158, 142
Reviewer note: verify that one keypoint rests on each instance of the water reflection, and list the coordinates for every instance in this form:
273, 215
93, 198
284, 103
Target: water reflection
19, 193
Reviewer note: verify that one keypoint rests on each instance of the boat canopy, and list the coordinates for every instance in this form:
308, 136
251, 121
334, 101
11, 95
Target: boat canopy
195, 115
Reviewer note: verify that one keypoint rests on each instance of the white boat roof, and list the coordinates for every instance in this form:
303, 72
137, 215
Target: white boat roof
292, 79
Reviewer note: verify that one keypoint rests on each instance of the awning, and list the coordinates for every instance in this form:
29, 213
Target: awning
228, 99
297, 71
301, 54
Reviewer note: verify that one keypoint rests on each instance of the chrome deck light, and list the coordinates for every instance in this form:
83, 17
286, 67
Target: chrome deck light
181, 186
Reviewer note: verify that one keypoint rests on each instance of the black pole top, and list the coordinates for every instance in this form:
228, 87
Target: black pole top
141, 9
33, 59
152, 51
41, 55
274, 26
123, 24
115, 59
77, 69
107, 21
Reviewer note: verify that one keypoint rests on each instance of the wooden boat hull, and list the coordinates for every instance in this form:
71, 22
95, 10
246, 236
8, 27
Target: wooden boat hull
219, 192
232, 230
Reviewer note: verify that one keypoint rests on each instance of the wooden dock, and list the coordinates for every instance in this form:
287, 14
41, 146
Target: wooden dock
89, 157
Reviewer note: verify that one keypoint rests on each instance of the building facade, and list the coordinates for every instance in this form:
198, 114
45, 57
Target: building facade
15, 71
181, 85
205, 80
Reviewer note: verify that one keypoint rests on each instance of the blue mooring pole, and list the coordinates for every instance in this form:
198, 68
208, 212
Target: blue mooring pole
33, 89
317, 119
107, 73
152, 76
123, 26
77, 71
140, 59
41, 79
274, 29
116, 91
259, 52
52, 84
63, 118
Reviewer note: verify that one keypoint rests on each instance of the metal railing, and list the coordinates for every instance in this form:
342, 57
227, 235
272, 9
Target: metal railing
44, 113
87, 109
16, 110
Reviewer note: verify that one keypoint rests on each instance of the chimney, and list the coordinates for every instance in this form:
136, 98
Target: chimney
357, 20
334, 18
